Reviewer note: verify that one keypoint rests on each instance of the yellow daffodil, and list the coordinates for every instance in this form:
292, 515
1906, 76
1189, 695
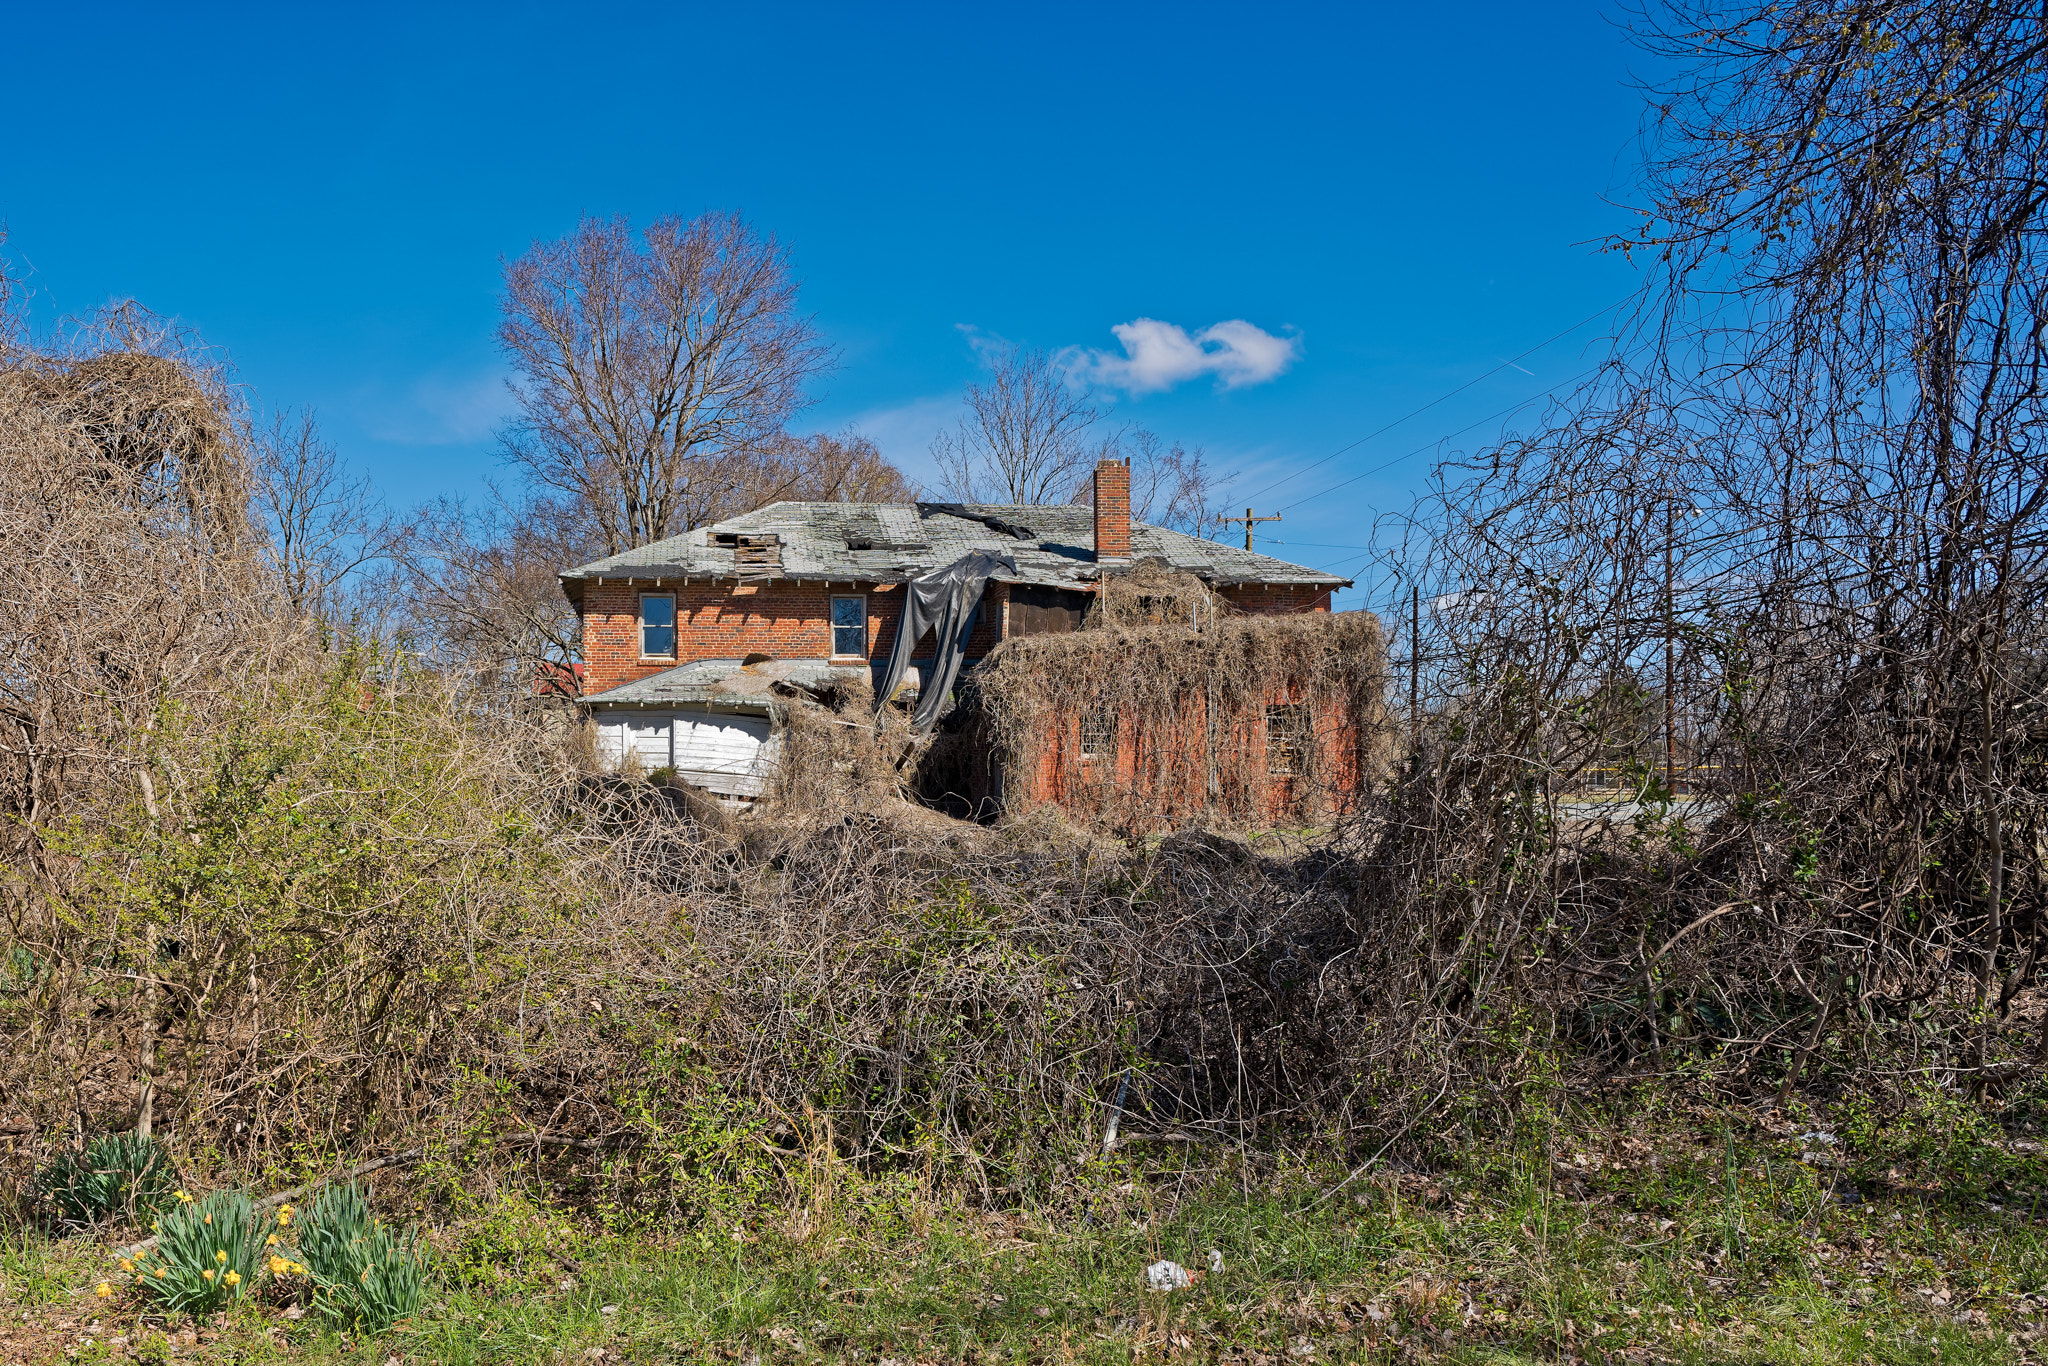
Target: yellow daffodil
284, 1216
162, 1272
155, 1227
208, 1273
271, 1241
221, 1257
184, 1198
233, 1278
278, 1266
127, 1265
104, 1290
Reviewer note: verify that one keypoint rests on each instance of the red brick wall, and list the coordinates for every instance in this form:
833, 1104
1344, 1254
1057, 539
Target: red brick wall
1176, 758
1180, 753
1274, 599
724, 620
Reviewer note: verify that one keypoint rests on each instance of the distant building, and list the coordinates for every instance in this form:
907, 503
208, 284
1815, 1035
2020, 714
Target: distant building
685, 641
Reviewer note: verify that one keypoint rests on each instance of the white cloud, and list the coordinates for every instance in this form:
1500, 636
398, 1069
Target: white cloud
1159, 355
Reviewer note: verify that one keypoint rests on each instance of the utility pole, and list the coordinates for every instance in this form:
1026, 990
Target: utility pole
1415, 670
1670, 655
1248, 521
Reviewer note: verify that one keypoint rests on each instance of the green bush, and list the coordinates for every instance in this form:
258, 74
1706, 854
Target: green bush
116, 1175
365, 1276
207, 1253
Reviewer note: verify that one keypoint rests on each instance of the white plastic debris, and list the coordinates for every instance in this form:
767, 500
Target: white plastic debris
1215, 1262
1165, 1275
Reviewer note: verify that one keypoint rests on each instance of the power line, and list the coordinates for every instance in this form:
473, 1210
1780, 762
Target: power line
1506, 364
1492, 417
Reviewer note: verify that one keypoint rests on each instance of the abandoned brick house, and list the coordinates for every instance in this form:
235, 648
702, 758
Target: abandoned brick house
685, 641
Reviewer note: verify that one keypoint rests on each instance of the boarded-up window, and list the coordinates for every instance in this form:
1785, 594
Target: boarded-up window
648, 738
1036, 611
1288, 736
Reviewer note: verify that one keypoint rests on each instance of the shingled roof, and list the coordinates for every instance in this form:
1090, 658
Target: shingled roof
889, 542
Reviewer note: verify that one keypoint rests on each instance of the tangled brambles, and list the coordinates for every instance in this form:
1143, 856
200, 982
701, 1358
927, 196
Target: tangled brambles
1245, 720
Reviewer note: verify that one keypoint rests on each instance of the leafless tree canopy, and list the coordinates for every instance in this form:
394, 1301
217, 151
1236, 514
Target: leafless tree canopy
324, 523
1787, 554
481, 592
1030, 435
821, 468
651, 366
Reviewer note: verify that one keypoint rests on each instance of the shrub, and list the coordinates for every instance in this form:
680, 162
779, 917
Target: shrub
207, 1253
365, 1276
115, 1174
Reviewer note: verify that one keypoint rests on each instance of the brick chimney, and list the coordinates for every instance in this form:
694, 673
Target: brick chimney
1112, 512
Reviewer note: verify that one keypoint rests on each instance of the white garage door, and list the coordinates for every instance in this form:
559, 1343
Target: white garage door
723, 753
727, 754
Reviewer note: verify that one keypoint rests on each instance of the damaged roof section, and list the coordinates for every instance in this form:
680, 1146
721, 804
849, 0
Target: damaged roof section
742, 686
893, 542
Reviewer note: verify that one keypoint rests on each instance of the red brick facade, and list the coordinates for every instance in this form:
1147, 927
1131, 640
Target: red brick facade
725, 620
1268, 599
1193, 769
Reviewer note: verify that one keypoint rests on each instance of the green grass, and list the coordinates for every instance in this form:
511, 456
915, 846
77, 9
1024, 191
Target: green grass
1693, 1249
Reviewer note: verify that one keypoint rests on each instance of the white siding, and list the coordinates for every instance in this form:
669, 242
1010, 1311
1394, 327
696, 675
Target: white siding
727, 754
724, 753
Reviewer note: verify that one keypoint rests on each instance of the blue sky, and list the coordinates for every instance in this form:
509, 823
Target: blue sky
1409, 193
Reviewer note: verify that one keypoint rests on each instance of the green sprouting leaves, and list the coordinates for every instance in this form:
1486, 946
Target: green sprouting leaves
115, 1175
209, 1253
366, 1274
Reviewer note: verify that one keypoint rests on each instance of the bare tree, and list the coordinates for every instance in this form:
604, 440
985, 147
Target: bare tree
1029, 435
481, 589
1788, 556
651, 366
822, 468
325, 524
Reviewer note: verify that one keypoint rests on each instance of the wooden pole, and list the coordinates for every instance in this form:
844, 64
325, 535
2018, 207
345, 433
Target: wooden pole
1414, 669
1670, 656
1249, 522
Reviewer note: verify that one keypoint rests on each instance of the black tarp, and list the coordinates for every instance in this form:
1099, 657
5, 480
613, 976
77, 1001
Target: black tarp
945, 599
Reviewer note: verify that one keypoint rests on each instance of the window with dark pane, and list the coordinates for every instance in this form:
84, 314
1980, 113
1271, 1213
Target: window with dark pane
849, 626
658, 625
1287, 739
1098, 734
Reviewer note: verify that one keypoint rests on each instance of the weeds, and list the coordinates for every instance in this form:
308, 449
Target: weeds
1608, 1234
